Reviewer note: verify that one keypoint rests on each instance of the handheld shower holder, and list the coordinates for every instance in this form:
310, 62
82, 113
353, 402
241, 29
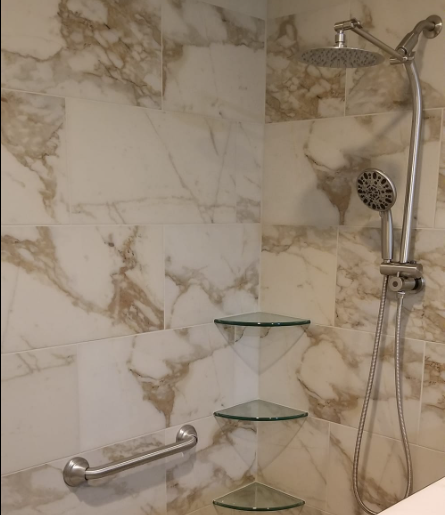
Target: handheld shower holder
403, 277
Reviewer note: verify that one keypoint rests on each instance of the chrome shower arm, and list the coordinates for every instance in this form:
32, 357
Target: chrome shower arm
430, 28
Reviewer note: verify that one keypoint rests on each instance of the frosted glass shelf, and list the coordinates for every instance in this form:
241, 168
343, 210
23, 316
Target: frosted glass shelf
262, 320
258, 497
260, 411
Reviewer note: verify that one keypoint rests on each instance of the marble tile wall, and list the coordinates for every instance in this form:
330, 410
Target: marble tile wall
321, 250
132, 156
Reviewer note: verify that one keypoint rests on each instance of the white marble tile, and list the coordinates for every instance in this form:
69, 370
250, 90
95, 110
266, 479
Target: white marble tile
74, 284
152, 381
34, 173
224, 460
166, 167
298, 271
138, 491
432, 416
256, 8
101, 49
326, 372
311, 168
386, 87
440, 208
295, 90
39, 407
359, 284
293, 457
278, 8
214, 61
210, 271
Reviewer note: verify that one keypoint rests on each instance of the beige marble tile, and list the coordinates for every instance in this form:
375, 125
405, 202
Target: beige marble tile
138, 491
385, 87
34, 171
102, 49
166, 167
359, 284
440, 208
278, 8
310, 168
73, 284
210, 271
293, 457
432, 416
326, 371
296, 91
256, 8
298, 271
224, 460
214, 61
158, 380
39, 407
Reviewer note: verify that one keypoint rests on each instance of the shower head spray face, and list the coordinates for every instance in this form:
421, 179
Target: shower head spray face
376, 190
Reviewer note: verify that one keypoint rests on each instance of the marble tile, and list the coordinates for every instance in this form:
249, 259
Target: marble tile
103, 49
293, 457
138, 491
256, 8
311, 168
214, 61
382, 471
166, 167
326, 373
295, 90
210, 271
432, 416
39, 407
73, 284
224, 460
157, 380
278, 8
385, 87
440, 208
359, 284
298, 271
215, 510
34, 176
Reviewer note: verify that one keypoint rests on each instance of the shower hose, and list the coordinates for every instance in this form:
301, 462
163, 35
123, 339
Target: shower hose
399, 400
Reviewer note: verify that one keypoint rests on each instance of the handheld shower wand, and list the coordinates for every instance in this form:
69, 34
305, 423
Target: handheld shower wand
377, 191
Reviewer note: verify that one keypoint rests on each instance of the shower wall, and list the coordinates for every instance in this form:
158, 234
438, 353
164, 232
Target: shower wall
321, 252
132, 149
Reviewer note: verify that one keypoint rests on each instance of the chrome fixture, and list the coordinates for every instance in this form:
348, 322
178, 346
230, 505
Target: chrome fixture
78, 471
378, 192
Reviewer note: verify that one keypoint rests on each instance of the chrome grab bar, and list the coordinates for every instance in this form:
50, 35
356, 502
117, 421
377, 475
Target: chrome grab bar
78, 470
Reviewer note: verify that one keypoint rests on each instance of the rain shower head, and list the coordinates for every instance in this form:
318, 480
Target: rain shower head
340, 57
376, 190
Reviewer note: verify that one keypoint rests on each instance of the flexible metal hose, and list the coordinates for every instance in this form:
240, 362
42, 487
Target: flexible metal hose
398, 384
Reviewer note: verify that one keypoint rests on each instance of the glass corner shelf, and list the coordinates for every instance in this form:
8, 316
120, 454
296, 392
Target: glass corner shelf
258, 497
261, 319
260, 411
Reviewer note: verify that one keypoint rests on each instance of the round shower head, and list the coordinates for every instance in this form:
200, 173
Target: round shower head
376, 190
340, 57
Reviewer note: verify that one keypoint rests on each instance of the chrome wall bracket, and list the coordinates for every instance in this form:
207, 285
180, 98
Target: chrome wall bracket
403, 277
78, 471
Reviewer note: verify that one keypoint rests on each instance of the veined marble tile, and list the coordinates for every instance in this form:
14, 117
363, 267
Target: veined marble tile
293, 457
162, 379
138, 491
39, 407
214, 61
432, 416
295, 90
382, 471
73, 284
224, 460
166, 167
210, 271
256, 8
359, 284
298, 272
34, 177
386, 87
311, 168
326, 372
101, 49
440, 209
278, 8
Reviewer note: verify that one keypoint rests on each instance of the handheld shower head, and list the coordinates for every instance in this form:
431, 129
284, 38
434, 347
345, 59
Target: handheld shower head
377, 191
